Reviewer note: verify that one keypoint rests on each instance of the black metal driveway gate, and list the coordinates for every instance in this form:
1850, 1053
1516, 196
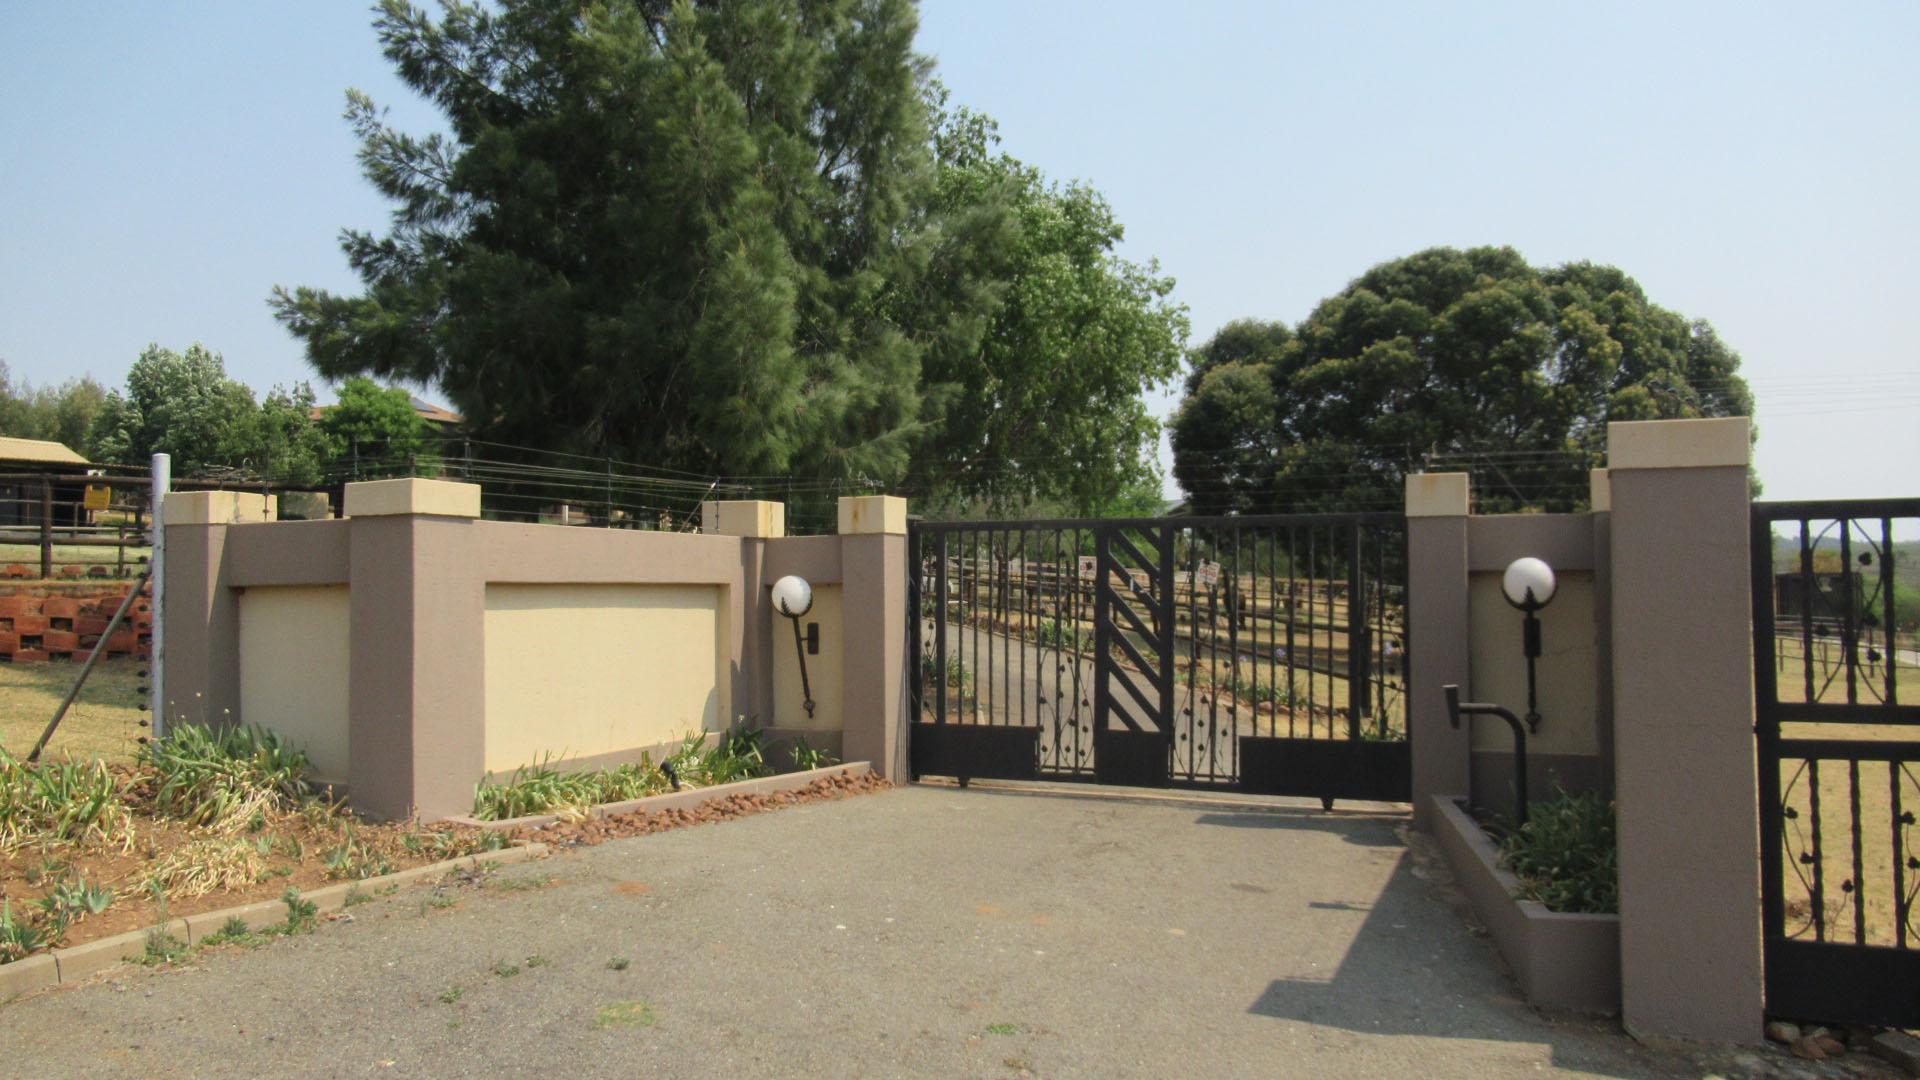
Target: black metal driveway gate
1262, 654
1839, 751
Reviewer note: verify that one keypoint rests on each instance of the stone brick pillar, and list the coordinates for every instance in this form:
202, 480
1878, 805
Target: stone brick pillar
417, 688
1437, 506
1683, 743
873, 566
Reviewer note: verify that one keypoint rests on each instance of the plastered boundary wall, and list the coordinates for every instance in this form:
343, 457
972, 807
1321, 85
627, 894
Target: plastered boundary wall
657, 631
1645, 692
1464, 632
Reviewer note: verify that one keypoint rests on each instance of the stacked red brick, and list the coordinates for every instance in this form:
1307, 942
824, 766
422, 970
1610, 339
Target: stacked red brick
34, 628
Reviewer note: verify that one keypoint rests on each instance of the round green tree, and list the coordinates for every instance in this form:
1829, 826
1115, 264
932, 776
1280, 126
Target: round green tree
1469, 359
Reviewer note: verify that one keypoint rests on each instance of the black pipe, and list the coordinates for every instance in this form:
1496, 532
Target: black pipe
1455, 708
800, 651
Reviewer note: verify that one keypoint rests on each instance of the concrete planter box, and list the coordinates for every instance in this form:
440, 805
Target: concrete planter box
1562, 960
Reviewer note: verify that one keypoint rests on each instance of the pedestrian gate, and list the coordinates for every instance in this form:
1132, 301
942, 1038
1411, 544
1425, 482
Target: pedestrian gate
1261, 654
1837, 669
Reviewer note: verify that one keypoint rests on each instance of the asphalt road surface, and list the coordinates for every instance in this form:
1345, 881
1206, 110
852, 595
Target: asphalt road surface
923, 932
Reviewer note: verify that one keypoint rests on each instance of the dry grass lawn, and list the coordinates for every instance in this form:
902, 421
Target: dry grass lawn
104, 723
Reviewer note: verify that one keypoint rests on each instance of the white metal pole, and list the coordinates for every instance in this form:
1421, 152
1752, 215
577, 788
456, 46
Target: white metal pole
156, 662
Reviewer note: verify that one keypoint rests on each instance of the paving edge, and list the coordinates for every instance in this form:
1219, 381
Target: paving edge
675, 800
59, 966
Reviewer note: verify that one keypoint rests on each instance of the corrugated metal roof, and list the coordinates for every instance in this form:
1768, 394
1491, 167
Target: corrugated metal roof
40, 450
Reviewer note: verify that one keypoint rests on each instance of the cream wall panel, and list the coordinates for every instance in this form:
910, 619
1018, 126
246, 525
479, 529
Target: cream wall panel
825, 671
294, 642
580, 670
1566, 673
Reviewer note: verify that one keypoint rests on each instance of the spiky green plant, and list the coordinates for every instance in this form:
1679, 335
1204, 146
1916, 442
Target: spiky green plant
223, 777
1565, 856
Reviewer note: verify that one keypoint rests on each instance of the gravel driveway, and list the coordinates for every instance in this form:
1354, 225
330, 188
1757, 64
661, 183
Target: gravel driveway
922, 932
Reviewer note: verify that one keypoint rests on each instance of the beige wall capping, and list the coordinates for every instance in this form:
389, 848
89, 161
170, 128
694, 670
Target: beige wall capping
217, 507
1599, 492
1437, 494
873, 514
744, 517
381, 498
1679, 444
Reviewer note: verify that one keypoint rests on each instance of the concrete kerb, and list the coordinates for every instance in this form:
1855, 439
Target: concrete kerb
680, 800
69, 965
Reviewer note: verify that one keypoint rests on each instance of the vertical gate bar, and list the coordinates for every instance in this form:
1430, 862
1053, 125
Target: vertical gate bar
997, 615
1849, 621
1313, 616
1253, 643
1356, 635
1026, 628
1003, 667
940, 632
1080, 720
1293, 605
1819, 859
1859, 864
1057, 641
1900, 907
1766, 696
970, 637
1213, 659
1233, 646
916, 581
1806, 608
1888, 567
1273, 635
1187, 714
1102, 639
1164, 605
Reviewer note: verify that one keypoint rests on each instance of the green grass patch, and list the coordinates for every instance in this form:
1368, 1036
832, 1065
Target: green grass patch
625, 1014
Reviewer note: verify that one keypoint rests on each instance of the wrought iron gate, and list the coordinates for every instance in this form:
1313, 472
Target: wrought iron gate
1260, 654
1834, 650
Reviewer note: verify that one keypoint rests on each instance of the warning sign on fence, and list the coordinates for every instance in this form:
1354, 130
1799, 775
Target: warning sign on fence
1089, 566
1209, 574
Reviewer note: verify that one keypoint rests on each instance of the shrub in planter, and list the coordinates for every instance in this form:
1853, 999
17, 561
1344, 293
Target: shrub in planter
1565, 856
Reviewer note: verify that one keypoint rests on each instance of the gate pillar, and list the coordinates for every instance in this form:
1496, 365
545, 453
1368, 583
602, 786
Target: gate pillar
1683, 708
1437, 641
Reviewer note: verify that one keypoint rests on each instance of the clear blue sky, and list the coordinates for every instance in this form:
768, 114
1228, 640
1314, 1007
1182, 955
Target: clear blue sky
163, 166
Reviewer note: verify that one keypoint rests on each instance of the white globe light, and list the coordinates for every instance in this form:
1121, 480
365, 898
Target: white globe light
792, 596
1528, 582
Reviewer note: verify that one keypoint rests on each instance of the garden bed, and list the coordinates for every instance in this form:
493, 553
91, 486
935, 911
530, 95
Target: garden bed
211, 836
1562, 960
672, 800
89, 850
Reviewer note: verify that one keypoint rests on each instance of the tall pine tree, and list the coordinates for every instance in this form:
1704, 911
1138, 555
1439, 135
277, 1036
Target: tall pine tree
692, 235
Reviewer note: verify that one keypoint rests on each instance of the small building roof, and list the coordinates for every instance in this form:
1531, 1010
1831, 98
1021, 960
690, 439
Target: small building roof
39, 451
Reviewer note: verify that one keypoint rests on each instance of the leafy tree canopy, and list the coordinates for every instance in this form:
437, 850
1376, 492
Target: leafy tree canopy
181, 404
740, 238
375, 430
282, 441
1473, 358
673, 234
1048, 406
62, 413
